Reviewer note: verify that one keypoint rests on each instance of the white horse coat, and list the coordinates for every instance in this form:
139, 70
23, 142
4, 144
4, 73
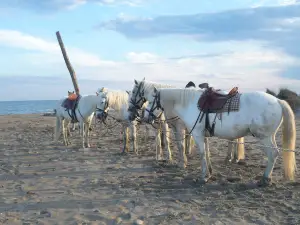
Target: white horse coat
118, 100
260, 114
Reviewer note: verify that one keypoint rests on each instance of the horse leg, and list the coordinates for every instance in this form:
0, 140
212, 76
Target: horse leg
125, 138
231, 150
68, 129
74, 127
166, 140
179, 135
57, 129
191, 145
209, 166
270, 148
239, 150
68, 133
64, 132
159, 156
82, 127
134, 139
88, 133
187, 141
200, 142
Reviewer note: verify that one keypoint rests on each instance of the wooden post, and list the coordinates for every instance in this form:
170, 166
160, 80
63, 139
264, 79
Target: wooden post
67, 61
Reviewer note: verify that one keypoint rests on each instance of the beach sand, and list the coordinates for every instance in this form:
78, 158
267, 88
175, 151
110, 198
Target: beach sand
43, 182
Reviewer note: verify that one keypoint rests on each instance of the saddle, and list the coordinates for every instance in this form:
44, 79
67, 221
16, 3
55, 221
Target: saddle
211, 101
70, 104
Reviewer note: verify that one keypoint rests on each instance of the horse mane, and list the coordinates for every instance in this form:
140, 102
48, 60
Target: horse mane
181, 95
117, 99
149, 85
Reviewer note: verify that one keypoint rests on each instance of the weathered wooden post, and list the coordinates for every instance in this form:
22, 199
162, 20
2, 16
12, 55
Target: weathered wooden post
67, 61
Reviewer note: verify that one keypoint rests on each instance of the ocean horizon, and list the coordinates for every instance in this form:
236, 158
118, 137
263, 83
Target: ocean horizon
27, 107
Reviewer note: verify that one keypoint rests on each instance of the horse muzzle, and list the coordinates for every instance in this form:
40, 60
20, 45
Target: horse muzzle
101, 116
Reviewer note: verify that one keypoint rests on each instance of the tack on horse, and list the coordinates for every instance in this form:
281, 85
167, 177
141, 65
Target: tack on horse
143, 90
236, 147
259, 114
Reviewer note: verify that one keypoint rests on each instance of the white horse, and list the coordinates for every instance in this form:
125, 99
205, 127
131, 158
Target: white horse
84, 113
118, 100
137, 101
260, 114
141, 91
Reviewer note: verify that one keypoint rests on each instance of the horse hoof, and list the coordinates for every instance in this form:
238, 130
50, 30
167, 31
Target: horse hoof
161, 159
264, 182
228, 160
202, 181
241, 162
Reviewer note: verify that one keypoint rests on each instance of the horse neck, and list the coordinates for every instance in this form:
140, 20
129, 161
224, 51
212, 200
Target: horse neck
178, 96
87, 104
118, 100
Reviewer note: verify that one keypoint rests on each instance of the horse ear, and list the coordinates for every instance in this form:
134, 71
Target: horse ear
135, 81
127, 92
144, 79
155, 90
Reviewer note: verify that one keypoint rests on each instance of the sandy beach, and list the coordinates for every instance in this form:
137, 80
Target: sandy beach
42, 182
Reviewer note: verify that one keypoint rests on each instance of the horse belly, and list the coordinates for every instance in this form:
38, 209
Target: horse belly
230, 126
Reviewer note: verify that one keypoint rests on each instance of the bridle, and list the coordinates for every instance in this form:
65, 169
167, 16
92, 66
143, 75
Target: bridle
103, 111
139, 93
156, 105
137, 105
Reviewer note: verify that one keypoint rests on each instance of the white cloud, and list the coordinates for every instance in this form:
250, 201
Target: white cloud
143, 57
254, 68
48, 50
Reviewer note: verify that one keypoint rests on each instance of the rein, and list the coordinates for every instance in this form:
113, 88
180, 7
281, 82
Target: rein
158, 106
105, 115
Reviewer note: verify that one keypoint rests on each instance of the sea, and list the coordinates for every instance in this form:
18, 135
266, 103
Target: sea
27, 107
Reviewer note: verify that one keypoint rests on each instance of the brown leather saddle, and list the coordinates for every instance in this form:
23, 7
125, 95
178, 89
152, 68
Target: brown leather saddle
70, 106
211, 101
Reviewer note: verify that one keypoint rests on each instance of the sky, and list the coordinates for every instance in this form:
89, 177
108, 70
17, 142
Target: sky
252, 44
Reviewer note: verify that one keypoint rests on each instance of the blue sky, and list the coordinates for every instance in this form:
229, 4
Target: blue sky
253, 44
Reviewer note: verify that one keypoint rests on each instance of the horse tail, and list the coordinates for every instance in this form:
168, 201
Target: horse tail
288, 140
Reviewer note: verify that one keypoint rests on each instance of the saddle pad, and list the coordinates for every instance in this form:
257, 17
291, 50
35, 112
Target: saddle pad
234, 104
